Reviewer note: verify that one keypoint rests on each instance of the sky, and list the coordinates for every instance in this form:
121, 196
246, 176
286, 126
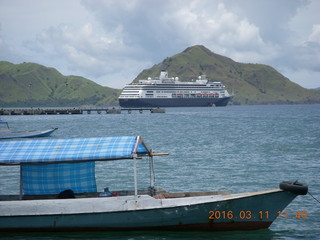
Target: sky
112, 41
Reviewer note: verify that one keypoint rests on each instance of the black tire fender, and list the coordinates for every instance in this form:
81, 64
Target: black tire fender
294, 187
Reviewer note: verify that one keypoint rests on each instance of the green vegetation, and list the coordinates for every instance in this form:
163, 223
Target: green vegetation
251, 83
33, 85
30, 84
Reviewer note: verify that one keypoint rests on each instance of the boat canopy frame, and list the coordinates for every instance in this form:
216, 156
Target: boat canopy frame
77, 150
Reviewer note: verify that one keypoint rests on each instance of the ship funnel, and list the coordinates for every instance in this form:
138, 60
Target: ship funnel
163, 75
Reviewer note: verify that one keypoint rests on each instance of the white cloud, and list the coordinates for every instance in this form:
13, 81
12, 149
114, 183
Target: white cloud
111, 41
315, 34
88, 53
174, 23
210, 23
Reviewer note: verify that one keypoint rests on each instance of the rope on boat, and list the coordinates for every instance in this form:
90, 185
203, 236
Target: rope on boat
314, 197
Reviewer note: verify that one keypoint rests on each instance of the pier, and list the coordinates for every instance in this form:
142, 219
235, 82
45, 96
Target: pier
66, 111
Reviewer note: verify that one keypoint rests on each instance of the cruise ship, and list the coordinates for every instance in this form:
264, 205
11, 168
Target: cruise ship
170, 92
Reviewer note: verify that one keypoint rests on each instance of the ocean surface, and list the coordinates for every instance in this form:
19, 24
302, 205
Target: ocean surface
236, 148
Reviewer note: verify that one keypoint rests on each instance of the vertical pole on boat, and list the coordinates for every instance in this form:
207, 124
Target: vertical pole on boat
21, 183
152, 177
135, 177
134, 155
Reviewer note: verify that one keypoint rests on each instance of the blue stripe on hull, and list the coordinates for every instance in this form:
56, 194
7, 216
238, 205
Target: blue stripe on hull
243, 213
174, 102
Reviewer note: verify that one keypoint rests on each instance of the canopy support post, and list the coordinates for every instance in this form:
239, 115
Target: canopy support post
152, 172
135, 177
21, 183
152, 176
135, 155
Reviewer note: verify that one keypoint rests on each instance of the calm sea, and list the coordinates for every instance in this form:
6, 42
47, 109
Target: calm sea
236, 148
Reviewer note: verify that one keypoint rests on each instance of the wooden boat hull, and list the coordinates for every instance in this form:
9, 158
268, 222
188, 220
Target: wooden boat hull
246, 211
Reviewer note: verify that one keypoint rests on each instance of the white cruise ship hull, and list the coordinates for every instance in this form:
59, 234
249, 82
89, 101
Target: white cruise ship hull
174, 102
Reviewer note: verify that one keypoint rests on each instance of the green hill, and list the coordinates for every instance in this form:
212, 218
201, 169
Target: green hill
251, 83
30, 84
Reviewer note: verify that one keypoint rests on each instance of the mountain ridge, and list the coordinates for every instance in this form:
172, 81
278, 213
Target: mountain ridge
251, 83
34, 85
31, 84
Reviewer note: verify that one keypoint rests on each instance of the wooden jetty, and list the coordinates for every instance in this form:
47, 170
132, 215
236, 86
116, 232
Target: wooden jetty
66, 111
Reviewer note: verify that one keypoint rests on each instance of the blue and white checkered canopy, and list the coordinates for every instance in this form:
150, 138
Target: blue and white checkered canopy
55, 172
70, 150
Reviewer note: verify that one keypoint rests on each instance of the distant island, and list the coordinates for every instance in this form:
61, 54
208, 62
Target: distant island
250, 83
34, 85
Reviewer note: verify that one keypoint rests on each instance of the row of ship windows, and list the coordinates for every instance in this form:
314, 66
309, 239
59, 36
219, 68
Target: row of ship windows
174, 96
174, 87
185, 96
189, 92
143, 85
174, 92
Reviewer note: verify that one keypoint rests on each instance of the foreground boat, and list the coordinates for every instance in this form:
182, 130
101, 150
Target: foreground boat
6, 133
52, 168
170, 92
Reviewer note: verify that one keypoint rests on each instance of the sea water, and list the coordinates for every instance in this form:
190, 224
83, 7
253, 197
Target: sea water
236, 148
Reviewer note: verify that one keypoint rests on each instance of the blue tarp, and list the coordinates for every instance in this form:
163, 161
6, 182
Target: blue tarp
52, 165
54, 178
69, 150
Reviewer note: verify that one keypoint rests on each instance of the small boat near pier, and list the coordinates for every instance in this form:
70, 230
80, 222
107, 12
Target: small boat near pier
6, 133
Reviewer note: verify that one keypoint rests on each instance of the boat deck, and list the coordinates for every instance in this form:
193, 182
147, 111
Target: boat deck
159, 194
